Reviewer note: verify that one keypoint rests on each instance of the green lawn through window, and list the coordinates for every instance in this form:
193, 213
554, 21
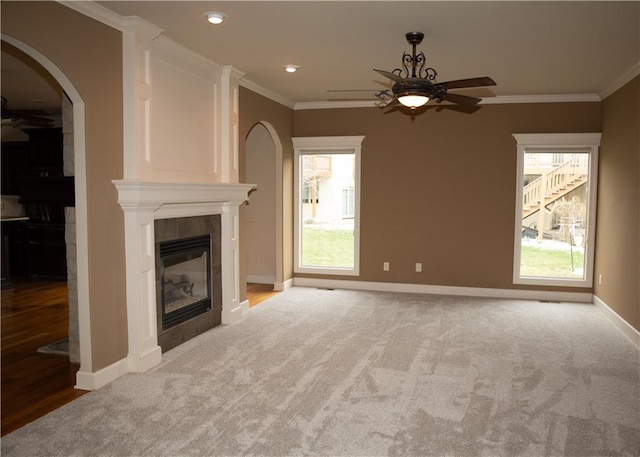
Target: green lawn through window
334, 248
327, 247
554, 263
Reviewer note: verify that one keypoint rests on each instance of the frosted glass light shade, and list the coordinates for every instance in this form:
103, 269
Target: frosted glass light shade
215, 18
413, 101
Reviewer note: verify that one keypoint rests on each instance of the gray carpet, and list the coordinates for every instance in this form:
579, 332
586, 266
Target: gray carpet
347, 373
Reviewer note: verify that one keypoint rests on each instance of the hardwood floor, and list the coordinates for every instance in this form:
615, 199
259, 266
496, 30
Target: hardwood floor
34, 314
257, 293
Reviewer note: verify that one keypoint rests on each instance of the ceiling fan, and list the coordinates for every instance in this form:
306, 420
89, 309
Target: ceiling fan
26, 117
415, 84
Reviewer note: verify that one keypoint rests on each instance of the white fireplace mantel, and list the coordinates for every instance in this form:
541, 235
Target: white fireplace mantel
145, 193
145, 201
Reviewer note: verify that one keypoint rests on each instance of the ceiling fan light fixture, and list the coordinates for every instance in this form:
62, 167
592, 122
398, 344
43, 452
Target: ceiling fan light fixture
215, 17
414, 83
413, 101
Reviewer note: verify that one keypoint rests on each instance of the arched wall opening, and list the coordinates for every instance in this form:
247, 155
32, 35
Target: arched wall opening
79, 171
264, 213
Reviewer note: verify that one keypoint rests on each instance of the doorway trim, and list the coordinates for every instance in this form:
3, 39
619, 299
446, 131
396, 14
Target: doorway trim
80, 177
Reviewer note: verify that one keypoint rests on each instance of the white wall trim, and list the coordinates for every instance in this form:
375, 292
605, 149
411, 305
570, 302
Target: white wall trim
555, 98
92, 381
621, 81
497, 100
580, 297
248, 84
261, 279
336, 104
97, 12
617, 321
285, 285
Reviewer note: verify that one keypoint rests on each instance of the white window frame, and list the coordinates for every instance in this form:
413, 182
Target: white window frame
552, 142
331, 145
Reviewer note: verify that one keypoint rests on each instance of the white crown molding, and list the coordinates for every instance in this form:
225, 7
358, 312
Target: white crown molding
556, 98
621, 81
498, 100
97, 12
336, 104
248, 84
137, 24
167, 44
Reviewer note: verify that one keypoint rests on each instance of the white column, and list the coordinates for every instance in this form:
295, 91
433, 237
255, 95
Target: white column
144, 351
232, 309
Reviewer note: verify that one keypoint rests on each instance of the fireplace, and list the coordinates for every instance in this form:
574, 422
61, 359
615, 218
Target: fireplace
188, 277
185, 271
158, 211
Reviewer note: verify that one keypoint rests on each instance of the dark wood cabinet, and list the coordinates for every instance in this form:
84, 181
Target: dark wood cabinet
34, 170
46, 251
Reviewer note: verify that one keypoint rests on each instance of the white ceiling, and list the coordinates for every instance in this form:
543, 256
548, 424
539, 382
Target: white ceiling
527, 47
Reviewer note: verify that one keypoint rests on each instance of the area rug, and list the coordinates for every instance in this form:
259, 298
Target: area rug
313, 372
58, 348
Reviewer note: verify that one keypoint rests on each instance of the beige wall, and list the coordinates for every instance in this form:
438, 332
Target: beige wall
618, 232
440, 189
255, 108
90, 55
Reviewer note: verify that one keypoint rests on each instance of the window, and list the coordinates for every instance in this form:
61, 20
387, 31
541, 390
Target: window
326, 210
555, 209
348, 202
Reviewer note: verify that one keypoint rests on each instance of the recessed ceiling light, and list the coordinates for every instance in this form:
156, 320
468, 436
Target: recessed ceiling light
291, 68
215, 17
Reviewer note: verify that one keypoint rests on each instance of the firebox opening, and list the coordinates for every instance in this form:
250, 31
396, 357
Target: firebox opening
188, 274
185, 279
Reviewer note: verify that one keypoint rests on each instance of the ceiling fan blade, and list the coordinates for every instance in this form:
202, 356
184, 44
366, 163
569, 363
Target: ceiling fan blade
470, 82
460, 99
352, 90
33, 118
391, 76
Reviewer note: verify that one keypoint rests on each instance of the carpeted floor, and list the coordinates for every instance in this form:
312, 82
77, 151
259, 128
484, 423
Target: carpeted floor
349, 373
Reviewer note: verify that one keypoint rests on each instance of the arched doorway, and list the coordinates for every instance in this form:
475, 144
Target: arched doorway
76, 121
263, 166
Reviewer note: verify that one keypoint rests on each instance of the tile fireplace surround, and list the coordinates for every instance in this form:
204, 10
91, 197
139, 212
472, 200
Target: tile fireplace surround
144, 202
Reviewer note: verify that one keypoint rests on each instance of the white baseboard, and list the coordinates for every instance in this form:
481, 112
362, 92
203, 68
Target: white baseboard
613, 317
280, 286
261, 279
139, 363
580, 297
93, 381
131, 364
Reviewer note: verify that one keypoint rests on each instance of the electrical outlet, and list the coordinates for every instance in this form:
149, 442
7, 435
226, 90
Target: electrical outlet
418, 267
385, 266
599, 280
